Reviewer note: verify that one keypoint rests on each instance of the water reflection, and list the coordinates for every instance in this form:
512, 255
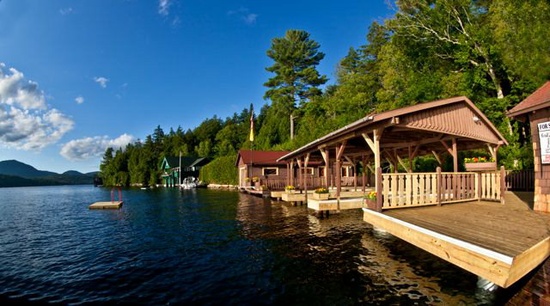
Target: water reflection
168, 246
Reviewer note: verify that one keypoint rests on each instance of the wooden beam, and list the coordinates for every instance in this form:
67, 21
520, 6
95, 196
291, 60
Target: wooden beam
340, 150
403, 164
437, 157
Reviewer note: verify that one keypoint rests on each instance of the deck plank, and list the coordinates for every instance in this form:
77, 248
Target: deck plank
508, 229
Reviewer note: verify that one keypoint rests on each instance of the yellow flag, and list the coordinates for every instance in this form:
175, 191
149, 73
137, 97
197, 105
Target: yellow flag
251, 124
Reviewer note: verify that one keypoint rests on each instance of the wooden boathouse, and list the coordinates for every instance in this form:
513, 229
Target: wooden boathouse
477, 232
535, 111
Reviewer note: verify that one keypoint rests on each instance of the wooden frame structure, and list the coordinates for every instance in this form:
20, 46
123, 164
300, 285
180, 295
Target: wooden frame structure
398, 136
438, 127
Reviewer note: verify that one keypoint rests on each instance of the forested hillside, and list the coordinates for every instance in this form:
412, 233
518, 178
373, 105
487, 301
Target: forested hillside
494, 52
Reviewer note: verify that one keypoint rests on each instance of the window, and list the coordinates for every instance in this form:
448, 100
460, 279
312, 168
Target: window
270, 171
347, 171
310, 171
322, 171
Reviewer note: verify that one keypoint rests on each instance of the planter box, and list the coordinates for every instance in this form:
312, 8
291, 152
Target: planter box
320, 196
370, 203
481, 167
290, 191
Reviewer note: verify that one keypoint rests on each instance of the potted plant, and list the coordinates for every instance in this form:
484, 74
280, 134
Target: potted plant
247, 181
480, 164
370, 199
321, 193
290, 189
256, 181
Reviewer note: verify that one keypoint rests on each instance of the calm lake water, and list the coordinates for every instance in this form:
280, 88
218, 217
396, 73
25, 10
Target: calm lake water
209, 247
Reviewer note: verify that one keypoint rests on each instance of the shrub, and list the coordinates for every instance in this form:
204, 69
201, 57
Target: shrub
221, 170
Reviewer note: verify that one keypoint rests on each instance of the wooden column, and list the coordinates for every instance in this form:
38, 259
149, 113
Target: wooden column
439, 186
339, 153
453, 152
364, 161
374, 145
379, 195
300, 174
306, 160
326, 157
502, 183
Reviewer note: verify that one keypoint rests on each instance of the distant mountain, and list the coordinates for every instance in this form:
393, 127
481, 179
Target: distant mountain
14, 173
16, 168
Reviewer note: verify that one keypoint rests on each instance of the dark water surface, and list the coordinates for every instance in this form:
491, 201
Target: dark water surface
209, 247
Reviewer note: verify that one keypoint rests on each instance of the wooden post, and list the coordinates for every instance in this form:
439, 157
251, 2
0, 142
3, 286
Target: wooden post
354, 167
439, 187
455, 156
306, 160
379, 195
291, 173
339, 152
364, 161
502, 184
479, 187
326, 158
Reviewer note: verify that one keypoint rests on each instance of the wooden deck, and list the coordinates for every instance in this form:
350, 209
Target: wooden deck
498, 242
333, 205
106, 205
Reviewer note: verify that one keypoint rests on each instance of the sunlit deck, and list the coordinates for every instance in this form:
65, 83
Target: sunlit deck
500, 243
106, 205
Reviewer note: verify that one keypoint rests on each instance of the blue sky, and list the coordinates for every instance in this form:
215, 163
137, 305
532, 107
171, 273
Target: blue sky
77, 76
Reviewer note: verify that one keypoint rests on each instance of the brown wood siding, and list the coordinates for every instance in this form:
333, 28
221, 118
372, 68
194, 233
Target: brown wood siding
454, 119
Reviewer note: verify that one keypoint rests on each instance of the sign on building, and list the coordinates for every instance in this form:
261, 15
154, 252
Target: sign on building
544, 136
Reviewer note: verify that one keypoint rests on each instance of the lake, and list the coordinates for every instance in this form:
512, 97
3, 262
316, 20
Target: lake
209, 247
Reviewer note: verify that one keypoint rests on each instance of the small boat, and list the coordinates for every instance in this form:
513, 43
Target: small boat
189, 183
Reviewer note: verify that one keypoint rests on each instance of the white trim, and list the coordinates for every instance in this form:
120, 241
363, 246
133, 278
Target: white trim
276, 170
486, 252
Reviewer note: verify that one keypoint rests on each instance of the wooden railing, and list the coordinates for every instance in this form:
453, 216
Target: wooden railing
400, 190
520, 180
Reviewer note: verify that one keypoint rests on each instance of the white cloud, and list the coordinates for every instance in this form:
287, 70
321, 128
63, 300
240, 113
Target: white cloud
92, 147
164, 7
66, 11
79, 99
245, 15
102, 81
26, 122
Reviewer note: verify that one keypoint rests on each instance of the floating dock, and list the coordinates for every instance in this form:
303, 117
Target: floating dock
500, 243
106, 205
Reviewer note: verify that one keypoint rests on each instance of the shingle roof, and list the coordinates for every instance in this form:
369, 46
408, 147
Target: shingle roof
261, 157
537, 100
426, 123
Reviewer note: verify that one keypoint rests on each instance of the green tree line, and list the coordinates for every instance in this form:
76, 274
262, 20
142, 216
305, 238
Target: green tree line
494, 52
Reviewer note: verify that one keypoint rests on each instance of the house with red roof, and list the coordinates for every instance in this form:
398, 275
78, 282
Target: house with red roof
535, 110
262, 168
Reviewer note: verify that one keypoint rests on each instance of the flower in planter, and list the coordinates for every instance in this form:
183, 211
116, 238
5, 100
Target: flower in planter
371, 195
290, 187
479, 159
247, 179
255, 179
321, 190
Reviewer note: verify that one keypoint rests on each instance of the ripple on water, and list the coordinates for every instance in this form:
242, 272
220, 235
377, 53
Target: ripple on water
207, 247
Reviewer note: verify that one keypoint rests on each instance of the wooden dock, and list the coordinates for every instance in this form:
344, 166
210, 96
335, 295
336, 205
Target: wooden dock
107, 205
334, 204
500, 243
257, 192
